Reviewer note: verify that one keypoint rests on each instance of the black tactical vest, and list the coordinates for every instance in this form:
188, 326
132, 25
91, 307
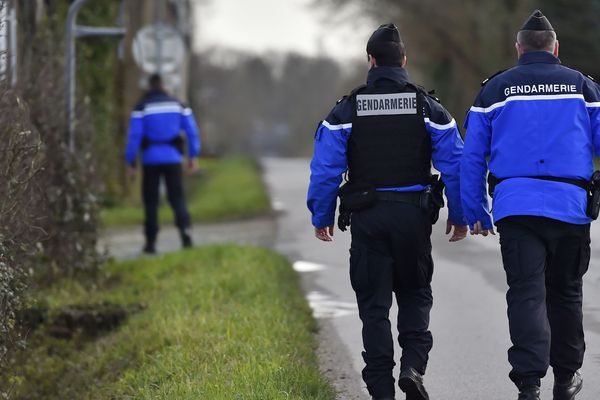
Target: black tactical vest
389, 145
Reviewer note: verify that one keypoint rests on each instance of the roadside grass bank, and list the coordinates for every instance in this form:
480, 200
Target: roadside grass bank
224, 189
218, 322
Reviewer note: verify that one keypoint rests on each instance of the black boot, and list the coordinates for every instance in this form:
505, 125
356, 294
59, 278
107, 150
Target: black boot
567, 389
186, 239
530, 392
149, 247
411, 383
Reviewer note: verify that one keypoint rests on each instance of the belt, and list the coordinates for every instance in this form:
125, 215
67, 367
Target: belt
399, 197
577, 182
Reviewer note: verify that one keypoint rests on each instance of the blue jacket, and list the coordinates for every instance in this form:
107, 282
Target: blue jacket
161, 118
538, 118
329, 159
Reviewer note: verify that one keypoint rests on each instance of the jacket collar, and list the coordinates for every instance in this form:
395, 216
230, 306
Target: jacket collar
155, 93
533, 57
396, 74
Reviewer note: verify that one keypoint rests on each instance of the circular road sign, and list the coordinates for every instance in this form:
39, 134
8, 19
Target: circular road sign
158, 48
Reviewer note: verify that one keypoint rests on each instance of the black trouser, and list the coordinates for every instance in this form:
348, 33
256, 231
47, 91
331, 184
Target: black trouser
545, 261
391, 252
172, 174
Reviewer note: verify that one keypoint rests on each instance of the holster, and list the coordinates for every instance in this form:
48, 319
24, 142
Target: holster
492, 181
593, 199
354, 196
432, 198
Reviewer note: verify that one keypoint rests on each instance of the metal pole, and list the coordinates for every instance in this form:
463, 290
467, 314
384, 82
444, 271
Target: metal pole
83, 31
70, 70
73, 32
121, 23
13, 45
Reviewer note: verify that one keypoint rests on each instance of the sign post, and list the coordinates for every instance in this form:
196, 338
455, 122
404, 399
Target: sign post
74, 31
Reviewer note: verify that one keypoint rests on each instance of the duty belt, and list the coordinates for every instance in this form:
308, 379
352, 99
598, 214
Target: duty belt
399, 197
493, 181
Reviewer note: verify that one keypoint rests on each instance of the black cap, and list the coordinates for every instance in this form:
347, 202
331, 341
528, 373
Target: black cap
386, 45
384, 35
537, 22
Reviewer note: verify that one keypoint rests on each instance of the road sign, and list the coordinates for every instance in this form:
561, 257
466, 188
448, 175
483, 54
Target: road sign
158, 48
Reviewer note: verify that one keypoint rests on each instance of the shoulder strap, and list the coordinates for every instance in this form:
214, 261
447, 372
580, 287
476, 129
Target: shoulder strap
486, 80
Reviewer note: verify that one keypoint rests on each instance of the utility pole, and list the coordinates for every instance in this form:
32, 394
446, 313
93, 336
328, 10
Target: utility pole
73, 32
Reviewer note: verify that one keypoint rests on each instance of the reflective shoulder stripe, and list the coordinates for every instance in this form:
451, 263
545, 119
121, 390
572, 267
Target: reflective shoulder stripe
593, 105
440, 127
336, 127
137, 114
187, 111
164, 107
526, 98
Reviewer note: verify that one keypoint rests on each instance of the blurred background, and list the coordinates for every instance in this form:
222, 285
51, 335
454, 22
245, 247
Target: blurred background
260, 75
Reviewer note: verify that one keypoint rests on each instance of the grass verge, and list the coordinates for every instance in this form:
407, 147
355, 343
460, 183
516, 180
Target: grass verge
221, 322
228, 188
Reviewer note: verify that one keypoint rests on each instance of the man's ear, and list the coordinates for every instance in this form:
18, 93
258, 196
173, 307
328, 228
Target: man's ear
556, 46
403, 63
519, 49
372, 61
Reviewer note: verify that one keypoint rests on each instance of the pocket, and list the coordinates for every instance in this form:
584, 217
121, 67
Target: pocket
584, 258
425, 265
359, 269
509, 249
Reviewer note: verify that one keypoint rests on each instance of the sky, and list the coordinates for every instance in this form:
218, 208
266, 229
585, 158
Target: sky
260, 26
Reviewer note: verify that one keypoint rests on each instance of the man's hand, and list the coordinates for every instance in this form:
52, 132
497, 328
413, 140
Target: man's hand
325, 234
192, 165
478, 230
460, 231
131, 173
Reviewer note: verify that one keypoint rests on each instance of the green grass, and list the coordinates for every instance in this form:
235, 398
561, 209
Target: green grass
228, 188
222, 322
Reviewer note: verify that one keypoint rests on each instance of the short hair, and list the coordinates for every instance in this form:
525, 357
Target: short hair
537, 40
155, 81
389, 54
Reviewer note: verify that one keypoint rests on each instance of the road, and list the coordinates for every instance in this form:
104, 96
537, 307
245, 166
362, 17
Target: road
126, 243
468, 360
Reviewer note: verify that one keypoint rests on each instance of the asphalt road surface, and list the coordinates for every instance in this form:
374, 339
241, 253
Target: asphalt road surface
468, 321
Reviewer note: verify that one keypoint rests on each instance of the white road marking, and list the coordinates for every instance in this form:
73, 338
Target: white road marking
325, 307
306, 266
277, 205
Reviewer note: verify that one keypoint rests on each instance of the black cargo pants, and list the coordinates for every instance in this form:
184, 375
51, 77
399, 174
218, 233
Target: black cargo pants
544, 260
391, 253
173, 176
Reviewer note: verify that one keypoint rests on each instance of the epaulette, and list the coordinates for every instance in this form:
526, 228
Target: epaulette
486, 80
357, 89
591, 77
425, 92
431, 94
352, 93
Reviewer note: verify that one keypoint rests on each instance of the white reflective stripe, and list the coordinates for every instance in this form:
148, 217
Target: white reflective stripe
336, 127
137, 114
162, 110
187, 111
527, 98
449, 125
593, 105
164, 107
